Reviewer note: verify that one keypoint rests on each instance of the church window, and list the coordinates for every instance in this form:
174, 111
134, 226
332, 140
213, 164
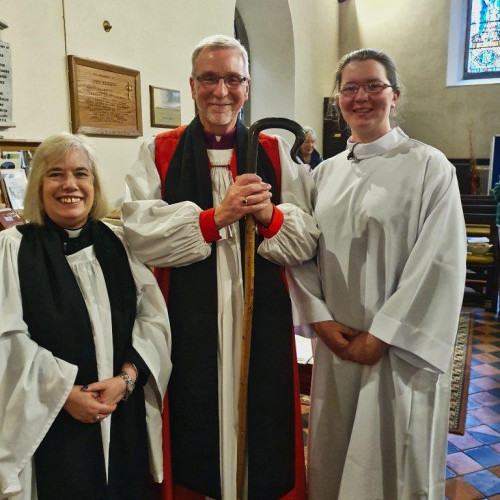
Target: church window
482, 41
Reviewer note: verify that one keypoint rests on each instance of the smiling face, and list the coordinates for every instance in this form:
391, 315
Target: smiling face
367, 114
219, 106
68, 190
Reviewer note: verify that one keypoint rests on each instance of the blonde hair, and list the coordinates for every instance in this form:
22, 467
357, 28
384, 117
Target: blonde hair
52, 150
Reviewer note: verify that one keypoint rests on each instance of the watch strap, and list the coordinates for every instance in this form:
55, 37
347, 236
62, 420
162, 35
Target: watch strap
129, 384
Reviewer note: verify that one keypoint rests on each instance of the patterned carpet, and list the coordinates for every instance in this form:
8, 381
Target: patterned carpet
460, 375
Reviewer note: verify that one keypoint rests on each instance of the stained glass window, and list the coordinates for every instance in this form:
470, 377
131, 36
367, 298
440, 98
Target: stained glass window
482, 49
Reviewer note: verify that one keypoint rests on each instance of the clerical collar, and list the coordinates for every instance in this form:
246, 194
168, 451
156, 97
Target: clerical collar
361, 151
72, 240
224, 141
64, 232
74, 233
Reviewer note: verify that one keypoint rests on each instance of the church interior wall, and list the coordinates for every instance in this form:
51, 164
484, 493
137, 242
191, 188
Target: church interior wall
315, 35
415, 34
294, 49
156, 38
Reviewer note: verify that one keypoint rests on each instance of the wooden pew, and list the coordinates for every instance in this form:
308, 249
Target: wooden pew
483, 270
480, 209
477, 199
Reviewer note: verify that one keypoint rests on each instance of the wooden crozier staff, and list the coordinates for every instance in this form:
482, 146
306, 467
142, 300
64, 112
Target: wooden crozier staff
249, 274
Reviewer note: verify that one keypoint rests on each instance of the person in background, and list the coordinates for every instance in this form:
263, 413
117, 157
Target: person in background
307, 154
384, 300
188, 193
84, 343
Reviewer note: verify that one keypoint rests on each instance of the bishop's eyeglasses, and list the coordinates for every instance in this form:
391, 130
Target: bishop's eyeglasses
210, 80
351, 89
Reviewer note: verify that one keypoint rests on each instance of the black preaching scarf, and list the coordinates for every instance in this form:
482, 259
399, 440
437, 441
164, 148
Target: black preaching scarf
70, 460
193, 387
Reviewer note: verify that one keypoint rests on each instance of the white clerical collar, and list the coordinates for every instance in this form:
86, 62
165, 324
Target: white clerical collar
220, 157
362, 151
74, 233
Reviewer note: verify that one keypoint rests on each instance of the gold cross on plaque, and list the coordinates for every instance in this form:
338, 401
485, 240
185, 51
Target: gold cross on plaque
129, 89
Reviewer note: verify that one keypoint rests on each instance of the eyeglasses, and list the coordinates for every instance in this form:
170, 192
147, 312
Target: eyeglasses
351, 89
209, 80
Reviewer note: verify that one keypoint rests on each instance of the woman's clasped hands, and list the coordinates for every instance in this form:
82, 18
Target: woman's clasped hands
94, 402
350, 344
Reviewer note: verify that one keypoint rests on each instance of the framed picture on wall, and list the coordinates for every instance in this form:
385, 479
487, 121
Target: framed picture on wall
165, 107
105, 99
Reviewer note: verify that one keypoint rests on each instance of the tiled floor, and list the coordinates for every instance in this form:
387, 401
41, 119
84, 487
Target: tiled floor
473, 470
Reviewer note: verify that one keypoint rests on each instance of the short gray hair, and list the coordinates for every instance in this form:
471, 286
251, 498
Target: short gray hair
52, 150
310, 131
220, 42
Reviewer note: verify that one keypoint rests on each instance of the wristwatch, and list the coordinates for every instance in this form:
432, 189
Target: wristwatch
129, 385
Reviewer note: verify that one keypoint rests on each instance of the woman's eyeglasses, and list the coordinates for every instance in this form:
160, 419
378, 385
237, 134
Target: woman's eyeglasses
351, 89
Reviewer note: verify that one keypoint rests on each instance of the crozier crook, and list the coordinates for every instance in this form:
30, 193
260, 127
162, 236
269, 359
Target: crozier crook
249, 273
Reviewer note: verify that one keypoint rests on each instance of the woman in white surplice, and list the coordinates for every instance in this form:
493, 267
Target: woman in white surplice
384, 301
84, 343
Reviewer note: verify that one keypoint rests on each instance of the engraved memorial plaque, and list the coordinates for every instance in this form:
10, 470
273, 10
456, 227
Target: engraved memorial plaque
105, 99
5, 86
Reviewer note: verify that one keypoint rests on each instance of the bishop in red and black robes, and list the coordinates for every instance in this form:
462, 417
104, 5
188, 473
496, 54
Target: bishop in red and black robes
174, 187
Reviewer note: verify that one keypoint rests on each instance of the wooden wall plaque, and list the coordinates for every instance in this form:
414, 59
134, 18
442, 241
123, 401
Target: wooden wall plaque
105, 99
